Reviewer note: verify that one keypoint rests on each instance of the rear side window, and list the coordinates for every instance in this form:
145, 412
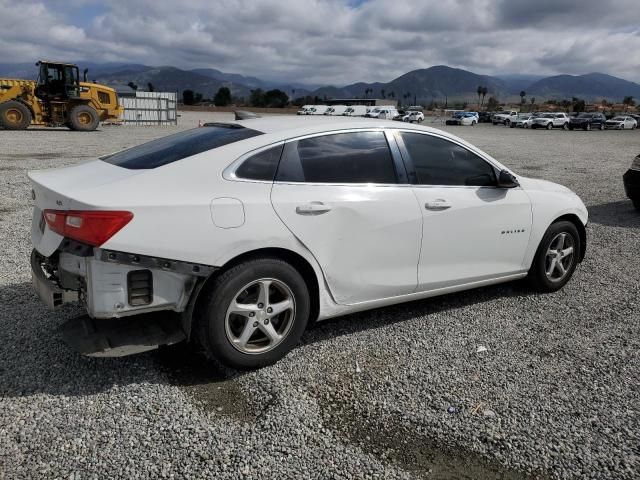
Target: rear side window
261, 166
441, 162
358, 157
181, 145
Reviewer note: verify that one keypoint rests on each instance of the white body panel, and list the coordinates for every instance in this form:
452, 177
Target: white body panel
376, 246
482, 233
363, 223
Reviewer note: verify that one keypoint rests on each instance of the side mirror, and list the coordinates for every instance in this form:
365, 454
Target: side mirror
507, 180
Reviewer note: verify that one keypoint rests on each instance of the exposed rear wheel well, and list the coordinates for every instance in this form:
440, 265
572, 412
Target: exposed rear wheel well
582, 231
294, 259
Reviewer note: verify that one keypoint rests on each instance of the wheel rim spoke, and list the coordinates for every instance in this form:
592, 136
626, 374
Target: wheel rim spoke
247, 333
260, 316
559, 257
278, 308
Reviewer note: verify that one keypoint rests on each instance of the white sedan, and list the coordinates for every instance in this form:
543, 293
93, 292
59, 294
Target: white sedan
621, 122
246, 232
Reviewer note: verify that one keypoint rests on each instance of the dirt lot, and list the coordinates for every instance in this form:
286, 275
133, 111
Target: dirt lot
556, 395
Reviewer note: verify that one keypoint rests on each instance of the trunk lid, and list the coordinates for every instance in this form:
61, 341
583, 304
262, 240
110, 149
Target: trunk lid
56, 189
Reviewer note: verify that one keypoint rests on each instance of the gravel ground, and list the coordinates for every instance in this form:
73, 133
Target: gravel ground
556, 394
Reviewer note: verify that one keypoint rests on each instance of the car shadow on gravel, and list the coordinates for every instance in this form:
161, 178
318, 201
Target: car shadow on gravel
385, 316
615, 214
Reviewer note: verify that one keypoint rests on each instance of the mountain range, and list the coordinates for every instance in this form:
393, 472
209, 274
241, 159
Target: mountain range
422, 86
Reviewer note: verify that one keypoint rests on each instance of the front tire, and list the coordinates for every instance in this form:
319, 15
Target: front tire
565, 126
556, 258
588, 127
83, 118
507, 123
14, 115
549, 126
254, 313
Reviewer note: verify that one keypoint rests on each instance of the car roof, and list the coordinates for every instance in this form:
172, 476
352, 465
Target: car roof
292, 126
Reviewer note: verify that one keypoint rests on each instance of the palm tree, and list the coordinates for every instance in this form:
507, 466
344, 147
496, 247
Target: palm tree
522, 95
382, 93
484, 92
533, 101
479, 90
628, 102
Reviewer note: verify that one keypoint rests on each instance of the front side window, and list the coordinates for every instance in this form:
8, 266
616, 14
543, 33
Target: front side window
357, 157
179, 145
261, 166
440, 162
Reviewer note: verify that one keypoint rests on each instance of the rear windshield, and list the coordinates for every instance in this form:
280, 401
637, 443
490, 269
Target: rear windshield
180, 145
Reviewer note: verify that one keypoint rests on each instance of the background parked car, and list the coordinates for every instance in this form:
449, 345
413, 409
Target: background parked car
485, 117
414, 116
382, 112
504, 117
454, 119
621, 122
631, 181
523, 121
469, 118
336, 110
303, 110
355, 111
587, 121
551, 120
317, 110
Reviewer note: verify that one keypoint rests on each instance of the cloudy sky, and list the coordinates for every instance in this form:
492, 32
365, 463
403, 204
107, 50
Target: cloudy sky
331, 41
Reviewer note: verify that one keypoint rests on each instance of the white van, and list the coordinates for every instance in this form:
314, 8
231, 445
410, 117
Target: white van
383, 112
355, 111
317, 110
304, 110
336, 110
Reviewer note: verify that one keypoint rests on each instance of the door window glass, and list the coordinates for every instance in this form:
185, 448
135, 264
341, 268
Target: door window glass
357, 157
441, 162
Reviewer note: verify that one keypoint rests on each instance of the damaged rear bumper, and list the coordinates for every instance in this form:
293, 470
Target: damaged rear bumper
114, 284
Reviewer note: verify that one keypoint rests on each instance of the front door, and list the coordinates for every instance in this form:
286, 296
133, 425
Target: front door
339, 195
473, 230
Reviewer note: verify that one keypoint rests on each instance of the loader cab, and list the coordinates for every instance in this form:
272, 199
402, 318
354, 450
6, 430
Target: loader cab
58, 81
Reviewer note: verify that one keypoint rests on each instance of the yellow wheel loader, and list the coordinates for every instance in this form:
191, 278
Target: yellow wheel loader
58, 98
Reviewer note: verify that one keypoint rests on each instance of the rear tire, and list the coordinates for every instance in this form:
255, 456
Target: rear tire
255, 337
588, 127
14, 115
553, 264
549, 126
565, 126
602, 126
83, 118
507, 123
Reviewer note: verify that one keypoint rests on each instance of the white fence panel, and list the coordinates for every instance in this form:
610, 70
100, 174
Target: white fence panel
150, 108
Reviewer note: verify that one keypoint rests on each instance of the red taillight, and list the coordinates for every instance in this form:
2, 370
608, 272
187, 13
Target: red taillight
93, 227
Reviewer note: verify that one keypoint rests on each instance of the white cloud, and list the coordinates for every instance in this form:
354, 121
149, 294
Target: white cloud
332, 42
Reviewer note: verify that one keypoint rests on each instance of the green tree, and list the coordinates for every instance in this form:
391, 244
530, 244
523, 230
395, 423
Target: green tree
479, 92
223, 97
276, 98
578, 104
493, 104
522, 100
257, 98
132, 86
382, 92
628, 102
150, 87
532, 100
188, 97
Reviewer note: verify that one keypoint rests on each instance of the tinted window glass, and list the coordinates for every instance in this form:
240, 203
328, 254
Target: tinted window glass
180, 145
261, 166
360, 157
440, 162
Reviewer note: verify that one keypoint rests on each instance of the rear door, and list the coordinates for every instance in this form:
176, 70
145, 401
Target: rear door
473, 230
345, 197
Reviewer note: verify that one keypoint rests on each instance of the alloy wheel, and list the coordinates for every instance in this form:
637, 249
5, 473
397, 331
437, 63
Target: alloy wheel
260, 316
560, 256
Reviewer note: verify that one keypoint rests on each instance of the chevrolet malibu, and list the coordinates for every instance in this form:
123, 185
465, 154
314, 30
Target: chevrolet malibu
245, 233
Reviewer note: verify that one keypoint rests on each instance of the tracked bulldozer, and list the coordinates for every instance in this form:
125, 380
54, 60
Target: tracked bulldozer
57, 98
